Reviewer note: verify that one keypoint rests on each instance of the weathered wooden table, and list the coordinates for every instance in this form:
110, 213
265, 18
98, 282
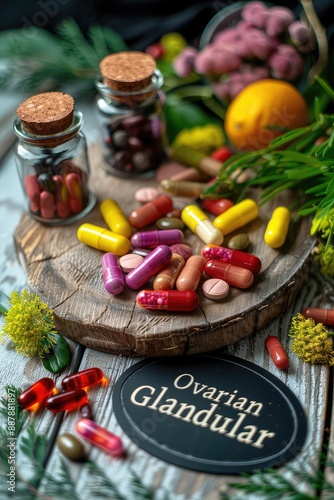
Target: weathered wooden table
312, 384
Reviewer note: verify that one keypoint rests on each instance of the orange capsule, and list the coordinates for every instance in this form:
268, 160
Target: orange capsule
277, 352
233, 275
151, 211
319, 315
36, 393
167, 276
190, 275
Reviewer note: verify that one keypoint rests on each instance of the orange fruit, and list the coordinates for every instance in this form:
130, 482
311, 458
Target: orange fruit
260, 108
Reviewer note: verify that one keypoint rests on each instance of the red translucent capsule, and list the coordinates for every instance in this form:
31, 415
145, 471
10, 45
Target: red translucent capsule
319, 315
217, 207
235, 257
36, 393
233, 275
168, 300
277, 352
100, 437
66, 401
73, 185
190, 274
84, 378
151, 211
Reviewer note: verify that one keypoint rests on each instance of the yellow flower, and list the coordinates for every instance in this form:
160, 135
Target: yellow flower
310, 341
204, 139
172, 43
325, 259
29, 323
323, 224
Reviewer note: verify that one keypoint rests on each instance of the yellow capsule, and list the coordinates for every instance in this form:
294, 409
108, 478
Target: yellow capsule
277, 228
114, 218
237, 216
200, 224
103, 239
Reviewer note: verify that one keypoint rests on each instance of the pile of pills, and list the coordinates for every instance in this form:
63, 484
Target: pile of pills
73, 395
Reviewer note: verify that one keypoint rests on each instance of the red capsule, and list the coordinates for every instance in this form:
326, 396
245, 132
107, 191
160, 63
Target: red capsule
168, 300
33, 189
66, 401
233, 275
277, 352
319, 315
73, 185
235, 257
217, 207
222, 154
151, 211
36, 393
100, 437
84, 378
47, 204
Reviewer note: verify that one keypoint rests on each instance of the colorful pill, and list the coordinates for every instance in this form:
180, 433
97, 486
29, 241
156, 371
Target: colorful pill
100, 437
235, 257
182, 249
215, 288
277, 352
143, 252
151, 239
182, 188
33, 188
319, 315
113, 278
82, 379
146, 194
151, 211
167, 276
217, 207
239, 241
66, 401
191, 274
73, 186
130, 261
200, 224
36, 393
103, 239
115, 219
150, 266
168, 300
169, 223
237, 216
47, 204
277, 228
61, 197
233, 275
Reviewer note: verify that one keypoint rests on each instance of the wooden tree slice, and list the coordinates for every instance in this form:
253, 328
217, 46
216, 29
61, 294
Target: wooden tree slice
68, 277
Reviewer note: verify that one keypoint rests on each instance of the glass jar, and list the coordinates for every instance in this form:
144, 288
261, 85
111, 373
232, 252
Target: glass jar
131, 119
54, 173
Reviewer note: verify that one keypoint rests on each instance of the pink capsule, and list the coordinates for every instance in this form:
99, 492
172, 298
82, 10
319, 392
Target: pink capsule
277, 352
33, 188
82, 379
66, 401
113, 278
151, 239
168, 300
47, 204
235, 257
61, 197
319, 315
150, 266
233, 275
191, 274
100, 437
73, 185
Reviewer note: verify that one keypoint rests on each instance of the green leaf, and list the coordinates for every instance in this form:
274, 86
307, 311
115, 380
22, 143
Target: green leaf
61, 356
4, 299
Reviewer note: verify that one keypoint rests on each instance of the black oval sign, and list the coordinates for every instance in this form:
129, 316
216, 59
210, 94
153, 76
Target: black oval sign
213, 413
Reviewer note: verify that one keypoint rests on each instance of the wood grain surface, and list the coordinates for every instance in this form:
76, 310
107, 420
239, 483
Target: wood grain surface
68, 276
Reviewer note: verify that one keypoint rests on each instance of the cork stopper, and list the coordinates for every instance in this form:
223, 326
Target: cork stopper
46, 114
128, 72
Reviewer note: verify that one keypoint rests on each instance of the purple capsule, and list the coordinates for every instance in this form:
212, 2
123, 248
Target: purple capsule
151, 239
150, 266
112, 274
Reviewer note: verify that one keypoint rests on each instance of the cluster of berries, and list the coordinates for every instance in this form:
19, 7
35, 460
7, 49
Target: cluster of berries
267, 42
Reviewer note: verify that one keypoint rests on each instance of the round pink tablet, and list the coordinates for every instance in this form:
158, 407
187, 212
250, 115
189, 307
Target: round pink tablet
215, 288
130, 261
146, 194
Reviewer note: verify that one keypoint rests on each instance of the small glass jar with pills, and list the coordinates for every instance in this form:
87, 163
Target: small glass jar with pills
130, 113
52, 160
